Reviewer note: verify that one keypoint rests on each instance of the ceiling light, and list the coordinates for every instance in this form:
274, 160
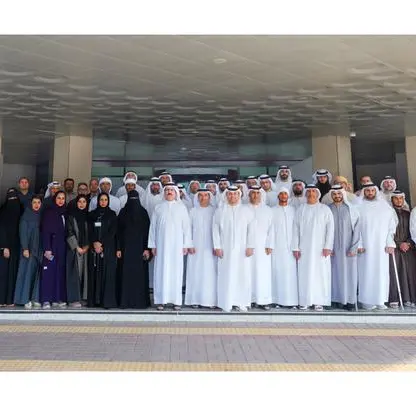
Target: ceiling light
353, 134
220, 61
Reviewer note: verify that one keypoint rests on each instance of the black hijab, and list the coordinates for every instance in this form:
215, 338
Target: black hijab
100, 213
133, 209
10, 214
61, 210
81, 216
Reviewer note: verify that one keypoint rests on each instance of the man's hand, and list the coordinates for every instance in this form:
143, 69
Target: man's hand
80, 250
269, 251
154, 251
118, 254
219, 253
6, 253
404, 246
296, 254
184, 251
249, 252
26, 253
360, 250
351, 253
191, 251
326, 252
146, 254
389, 250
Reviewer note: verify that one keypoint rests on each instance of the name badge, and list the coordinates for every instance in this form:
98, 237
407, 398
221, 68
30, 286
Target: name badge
97, 224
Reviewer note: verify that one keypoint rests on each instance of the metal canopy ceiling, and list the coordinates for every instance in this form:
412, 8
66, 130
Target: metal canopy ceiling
209, 94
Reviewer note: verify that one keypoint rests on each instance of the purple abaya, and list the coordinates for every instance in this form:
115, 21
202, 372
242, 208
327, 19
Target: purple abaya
53, 280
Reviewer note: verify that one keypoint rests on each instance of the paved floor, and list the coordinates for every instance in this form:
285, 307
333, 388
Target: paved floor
197, 346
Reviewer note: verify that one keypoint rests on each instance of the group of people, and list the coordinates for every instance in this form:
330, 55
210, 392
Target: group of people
259, 242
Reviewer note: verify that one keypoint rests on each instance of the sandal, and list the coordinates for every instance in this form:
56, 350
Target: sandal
177, 307
160, 308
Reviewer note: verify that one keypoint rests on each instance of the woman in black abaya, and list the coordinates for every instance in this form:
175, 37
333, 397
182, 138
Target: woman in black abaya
132, 235
103, 260
10, 214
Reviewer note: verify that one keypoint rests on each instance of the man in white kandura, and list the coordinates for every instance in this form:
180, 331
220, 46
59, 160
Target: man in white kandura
378, 223
283, 178
152, 198
105, 187
169, 239
260, 262
154, 195
312, 242
346, 243
184, 197
268, 186
297, 193
284, 269
201, 272
223, 185
234, 237
387, 187
122, 190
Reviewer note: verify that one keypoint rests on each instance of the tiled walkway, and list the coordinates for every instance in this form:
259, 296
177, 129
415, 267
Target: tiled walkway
198, 346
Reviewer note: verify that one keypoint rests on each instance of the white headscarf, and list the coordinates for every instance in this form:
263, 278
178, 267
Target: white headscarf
196, 200
173, 186
309, 187
50, 185
127, 174
262, 192
230, 189
267, 177
105, 180
149, 185
280, 182
188, 190
386, 179
321, 172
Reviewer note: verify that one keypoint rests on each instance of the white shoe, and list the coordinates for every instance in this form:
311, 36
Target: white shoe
303, 307
62, 305
266, 307
75, 305
55, 304
318, 308
369, 307
381, 307
243, 308
28, 305
407, 304
277, 306
46, 306
36, 304
294, 308
394, 306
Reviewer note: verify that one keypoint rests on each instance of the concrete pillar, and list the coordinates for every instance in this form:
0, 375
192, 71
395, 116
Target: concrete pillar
1, 154
411, 166
333, 152
72, 153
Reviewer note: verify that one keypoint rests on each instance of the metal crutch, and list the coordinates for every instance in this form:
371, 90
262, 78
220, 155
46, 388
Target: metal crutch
397, 281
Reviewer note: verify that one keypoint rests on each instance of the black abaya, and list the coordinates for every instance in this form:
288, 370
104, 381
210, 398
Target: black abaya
103, 267
132, 236
10, 214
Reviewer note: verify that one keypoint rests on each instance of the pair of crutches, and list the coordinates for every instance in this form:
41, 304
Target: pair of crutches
396, 274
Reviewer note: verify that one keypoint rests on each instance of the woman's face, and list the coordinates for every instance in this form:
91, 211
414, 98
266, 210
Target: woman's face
36, 204
103, 201
60, 199
82, 204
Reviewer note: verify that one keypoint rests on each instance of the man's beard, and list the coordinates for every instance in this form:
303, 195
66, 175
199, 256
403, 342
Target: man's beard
297, 192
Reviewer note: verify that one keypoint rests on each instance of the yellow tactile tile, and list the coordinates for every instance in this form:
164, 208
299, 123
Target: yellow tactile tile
50, 365
213, 331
